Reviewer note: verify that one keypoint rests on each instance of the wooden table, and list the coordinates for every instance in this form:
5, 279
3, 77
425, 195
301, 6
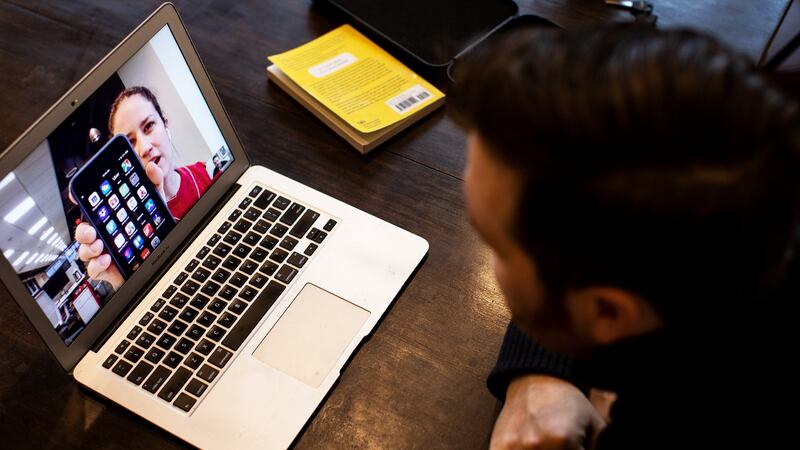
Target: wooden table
419, 382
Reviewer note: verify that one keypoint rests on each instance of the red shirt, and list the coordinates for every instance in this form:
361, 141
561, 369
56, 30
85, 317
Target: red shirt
194, 183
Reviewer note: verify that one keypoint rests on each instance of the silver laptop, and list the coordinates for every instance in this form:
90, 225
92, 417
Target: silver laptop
216, 299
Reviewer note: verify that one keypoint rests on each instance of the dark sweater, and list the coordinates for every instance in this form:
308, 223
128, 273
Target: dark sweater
722, 387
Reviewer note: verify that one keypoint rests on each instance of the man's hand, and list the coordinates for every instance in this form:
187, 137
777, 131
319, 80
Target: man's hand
543, 412
98, 264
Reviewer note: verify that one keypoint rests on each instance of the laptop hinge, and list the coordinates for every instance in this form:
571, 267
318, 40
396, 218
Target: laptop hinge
165, 267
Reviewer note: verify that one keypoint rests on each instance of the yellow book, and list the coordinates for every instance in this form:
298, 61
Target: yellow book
359, 84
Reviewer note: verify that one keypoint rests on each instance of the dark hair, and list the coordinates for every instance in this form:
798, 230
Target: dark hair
133, 90
655, 161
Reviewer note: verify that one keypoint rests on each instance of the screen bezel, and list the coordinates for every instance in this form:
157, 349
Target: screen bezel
134, 288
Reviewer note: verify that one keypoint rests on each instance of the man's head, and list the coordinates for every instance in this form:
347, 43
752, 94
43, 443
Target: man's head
626, 178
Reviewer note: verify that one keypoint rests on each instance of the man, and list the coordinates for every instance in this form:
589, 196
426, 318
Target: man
639, 192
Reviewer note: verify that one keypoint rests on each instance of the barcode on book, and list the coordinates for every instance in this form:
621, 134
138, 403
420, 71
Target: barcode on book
409, 99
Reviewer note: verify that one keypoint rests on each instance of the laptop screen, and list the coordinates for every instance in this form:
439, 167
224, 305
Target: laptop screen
83, 211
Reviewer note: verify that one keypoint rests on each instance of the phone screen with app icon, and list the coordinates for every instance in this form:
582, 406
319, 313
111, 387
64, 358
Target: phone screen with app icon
122, 204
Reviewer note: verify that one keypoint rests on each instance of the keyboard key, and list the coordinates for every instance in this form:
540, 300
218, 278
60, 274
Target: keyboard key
278, 255
145, 340
188, 314
140, 372
221, 276
190, 288
237, 335
281, 203
233, 237
312, 234
329, 225
184, 345
201, 275
304, 224
252, 214
146, 318
248, 293
217, 306
286, 274
207, 373
195, 332
231, 263
211, 262
192, 265
241, 251
212, 241
193, 361
177, 328
110, 361
170, 291
134, 354
271, 214
211, 288
224, 227
222, 250
297, 260
226, 320
245, 203
154, 355
205, 346
157, 327
168, 313
249, 267
175, 383
122, 368
259, 253
203, 253
288, 243
258, 280
215, 333
238, 279
291, 215
264, 199
185, 402
261, 227
269, 242
254, 191
122, 346
312, 247
320, 237
181, 278
179, 301
200, 301
206, 318
228, 292
158, 305
235, 215
242, 225
196, 387
157, 379
173, 359
237, 306
134, 332
220, 357
268, 268
165, 341
278, 230
252, 238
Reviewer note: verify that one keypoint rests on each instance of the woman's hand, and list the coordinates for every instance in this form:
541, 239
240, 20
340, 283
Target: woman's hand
156, 176
99, 265
544, 412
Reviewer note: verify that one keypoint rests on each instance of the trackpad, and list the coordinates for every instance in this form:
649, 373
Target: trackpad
311, 335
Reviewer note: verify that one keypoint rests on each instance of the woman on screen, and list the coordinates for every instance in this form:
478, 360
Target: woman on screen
137, 114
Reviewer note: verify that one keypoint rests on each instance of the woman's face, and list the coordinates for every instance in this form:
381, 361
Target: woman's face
137, 118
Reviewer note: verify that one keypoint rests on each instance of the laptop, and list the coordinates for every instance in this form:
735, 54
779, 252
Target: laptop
216, 299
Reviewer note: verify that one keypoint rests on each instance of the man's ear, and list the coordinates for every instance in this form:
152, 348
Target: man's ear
607, 314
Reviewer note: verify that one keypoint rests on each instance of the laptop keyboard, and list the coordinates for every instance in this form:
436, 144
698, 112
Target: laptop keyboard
189, 335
